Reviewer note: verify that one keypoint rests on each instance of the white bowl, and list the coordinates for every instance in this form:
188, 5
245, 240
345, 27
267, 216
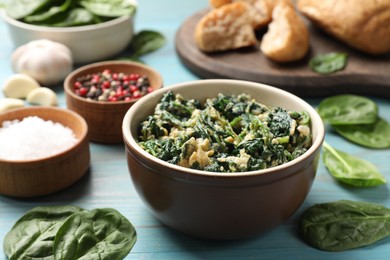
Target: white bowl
88, 43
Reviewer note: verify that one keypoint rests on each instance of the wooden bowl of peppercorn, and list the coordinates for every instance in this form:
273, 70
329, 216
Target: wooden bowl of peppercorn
102, 93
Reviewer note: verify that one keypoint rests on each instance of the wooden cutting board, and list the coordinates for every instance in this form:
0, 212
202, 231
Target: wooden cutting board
364, 74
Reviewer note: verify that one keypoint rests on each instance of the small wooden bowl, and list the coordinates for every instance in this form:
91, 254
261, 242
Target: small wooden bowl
31, 178
105, 118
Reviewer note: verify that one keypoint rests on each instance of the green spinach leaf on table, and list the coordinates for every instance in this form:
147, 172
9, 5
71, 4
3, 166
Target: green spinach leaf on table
351, 170
376, 135
60, 232
343, 225
95, 234
144, 42
348, 110
33, 234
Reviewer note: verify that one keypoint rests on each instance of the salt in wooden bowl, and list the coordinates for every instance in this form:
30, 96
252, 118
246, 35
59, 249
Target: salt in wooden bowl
38, 177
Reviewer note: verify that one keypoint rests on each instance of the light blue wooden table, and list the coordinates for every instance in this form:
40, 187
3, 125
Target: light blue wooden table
108, 183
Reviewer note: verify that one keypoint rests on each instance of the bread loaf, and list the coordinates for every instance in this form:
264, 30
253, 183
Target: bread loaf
362, 24
259, 10
225, 28
287, 38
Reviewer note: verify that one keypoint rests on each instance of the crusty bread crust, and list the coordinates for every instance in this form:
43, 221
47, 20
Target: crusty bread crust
287, 38
362, 24
225, 28
259, 10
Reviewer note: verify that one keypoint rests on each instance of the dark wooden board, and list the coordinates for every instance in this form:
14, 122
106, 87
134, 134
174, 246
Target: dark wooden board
364, 74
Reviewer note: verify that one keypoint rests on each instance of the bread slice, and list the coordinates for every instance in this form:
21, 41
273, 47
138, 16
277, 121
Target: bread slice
287, 38
259, 10
362, 24
225, 28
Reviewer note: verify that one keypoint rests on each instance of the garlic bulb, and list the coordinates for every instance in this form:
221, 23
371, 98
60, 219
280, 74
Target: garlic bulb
46, 61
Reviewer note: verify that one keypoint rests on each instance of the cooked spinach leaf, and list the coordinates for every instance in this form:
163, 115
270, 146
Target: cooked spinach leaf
343, 225
224, 134
328, 63
96, 234
351, 170
348, 110
279, 122
376, 135
32, 236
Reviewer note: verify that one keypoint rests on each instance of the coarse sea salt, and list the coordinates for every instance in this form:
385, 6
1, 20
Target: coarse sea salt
33, 138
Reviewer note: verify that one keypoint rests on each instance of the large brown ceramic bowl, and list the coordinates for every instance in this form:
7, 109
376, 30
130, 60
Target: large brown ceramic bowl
105, 118
217, 205
38, 177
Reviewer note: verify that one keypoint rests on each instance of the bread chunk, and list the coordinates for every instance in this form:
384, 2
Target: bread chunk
287, 38
361, 24
259, 10
225, 28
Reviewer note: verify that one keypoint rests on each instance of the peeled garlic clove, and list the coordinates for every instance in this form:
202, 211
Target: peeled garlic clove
19, 85
10, 103
42, 96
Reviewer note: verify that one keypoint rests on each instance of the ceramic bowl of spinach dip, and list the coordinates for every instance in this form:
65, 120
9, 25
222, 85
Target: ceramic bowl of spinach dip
222, 159
226, 133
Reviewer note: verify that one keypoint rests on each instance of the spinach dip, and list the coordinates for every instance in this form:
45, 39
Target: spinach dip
225, 134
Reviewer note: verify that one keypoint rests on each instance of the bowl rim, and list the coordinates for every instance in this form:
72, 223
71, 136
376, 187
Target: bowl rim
79, 70
315, 119
73, 29
79, 140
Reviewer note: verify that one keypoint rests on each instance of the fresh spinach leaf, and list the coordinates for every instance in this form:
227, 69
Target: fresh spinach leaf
351, 170
109, 8
145, 42
96, 234
65, 13
32, 236
75, 17
328, 63
50, 14
18, 9
343, 225
376, 135
348, 110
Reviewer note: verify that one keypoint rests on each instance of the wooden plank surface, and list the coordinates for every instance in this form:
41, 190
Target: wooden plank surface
364, 74
108, 183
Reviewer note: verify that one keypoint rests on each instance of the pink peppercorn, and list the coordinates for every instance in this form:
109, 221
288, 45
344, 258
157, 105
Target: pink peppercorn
112, 86
83, 91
